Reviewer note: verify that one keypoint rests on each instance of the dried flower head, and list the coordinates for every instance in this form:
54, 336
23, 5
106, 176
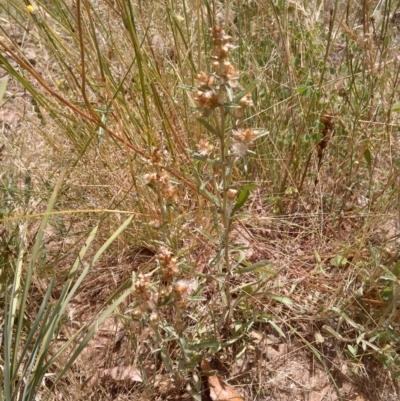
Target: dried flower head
170, 192
208, 99
142, 285
164, 255
230, 74
184, 287
150, 178
232, 193
240, 148
246, 101
245, 135
163, 178
155, 223
219, 36
204, 147
171, 270
156, 157
205, 80
221, 43
168, 262
137, 313
154, 317
181, 288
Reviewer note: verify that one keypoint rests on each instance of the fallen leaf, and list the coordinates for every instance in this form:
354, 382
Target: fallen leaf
219, 390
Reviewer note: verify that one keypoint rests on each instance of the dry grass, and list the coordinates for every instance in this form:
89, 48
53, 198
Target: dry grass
263, 237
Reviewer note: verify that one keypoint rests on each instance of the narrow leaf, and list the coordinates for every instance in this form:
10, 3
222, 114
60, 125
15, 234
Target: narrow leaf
246, 90
208, 126
255, 266
347, 318
281, 299
368, 158
188, 88
242, 198
396, 107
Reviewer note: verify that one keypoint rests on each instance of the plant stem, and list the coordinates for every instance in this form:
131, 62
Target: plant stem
225, 212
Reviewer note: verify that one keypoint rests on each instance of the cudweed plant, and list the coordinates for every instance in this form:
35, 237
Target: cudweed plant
163, 295
223, 115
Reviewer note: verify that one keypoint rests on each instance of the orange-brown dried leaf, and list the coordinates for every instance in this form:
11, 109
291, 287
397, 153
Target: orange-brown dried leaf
219, 390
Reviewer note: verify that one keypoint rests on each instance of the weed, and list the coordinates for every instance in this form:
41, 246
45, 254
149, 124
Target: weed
252, 147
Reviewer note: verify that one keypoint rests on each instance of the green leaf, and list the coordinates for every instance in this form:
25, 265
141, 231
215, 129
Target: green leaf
395, 375
368, 158
396, 270
332, 332
205, 234
188, 88
396, 107
196, 156
212, 344
338, 261
212, 198
249, 186
347, 318
255, 266
208, 127
387, 293
242, 198
245, 91
277, 328
304, 91
280, 298
353, 350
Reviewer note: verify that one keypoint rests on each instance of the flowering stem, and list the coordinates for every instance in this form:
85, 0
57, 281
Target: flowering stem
225, 211
214, 95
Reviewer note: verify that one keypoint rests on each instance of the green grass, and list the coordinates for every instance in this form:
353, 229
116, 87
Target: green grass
192, 204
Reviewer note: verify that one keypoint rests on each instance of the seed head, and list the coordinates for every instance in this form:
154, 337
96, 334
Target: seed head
150, 178
246, 101
240, 148
219, 35
232, 193
230, 74
245, 135
164, 255
170, 192
163, 179
154, 317
208, 99
168, 262
183, 288
142, 285
156, 157
204, 147
221, 44
205, 80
